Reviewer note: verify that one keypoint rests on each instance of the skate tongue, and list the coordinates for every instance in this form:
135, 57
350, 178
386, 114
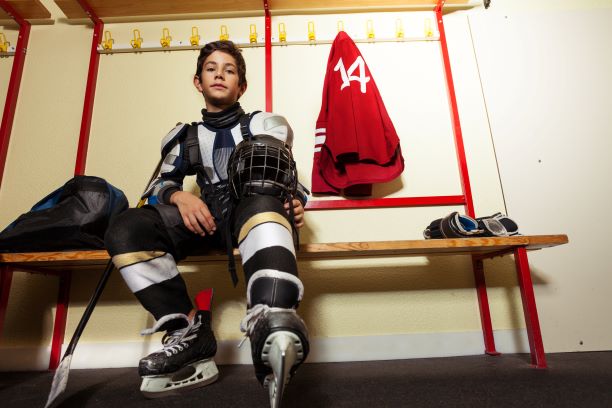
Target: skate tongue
203, 299
163, 321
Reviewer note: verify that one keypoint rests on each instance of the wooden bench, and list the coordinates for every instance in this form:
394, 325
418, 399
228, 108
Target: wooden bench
62, 264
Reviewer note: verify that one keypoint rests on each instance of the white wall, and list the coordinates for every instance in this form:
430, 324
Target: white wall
547, 83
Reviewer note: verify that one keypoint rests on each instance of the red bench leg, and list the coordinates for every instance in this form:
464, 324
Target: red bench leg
61, 314
483, 303
529, 308
6, 276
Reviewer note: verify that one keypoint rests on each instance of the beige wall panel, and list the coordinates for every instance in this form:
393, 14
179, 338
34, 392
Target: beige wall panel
41, 157
43, 143
30, 312
549, 102
140, 97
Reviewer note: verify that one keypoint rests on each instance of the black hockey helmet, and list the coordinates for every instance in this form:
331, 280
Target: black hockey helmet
262, 165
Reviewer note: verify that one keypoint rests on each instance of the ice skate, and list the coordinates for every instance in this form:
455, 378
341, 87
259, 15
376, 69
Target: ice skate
186, 360
279, 344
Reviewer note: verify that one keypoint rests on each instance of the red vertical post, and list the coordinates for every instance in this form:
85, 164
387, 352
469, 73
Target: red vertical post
6, 276
61, 315
479, 277
14, 83
530, 310
268, 48
90, 89
463, 169
63, 296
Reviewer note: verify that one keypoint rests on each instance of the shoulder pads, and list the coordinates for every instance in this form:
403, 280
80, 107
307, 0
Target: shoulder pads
168, 141
268, 123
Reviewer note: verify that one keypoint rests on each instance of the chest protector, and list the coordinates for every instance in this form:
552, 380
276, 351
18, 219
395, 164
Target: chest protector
216, 196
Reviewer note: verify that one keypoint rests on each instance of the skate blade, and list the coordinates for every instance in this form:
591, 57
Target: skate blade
60, 380
195, 375
281, 352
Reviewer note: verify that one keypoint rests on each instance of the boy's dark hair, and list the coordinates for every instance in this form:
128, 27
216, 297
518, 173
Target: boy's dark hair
227, 47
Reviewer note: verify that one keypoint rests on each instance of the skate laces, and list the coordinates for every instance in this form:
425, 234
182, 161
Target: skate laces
176, 340
255, 314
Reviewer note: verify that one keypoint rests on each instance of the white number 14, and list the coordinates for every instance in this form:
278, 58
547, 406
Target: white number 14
347, 76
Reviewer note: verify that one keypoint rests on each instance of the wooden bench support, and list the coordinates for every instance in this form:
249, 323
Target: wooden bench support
62, 264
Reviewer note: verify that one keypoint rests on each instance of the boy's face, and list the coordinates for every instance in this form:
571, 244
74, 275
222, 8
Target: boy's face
218, 81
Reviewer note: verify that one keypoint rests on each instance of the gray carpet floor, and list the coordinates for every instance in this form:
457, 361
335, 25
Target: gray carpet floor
572, 380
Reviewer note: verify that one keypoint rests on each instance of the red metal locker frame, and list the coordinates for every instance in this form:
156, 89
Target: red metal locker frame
465, 199
15, 81
63, 297
90, 90
477, 264
6, 272
268, 52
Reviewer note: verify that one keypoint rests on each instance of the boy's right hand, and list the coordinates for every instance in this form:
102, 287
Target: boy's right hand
195, 213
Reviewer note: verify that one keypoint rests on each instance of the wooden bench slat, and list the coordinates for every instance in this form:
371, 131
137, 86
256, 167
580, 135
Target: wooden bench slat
421, 247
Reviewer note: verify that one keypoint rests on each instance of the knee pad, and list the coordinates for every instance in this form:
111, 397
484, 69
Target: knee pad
275, 289
261, 208
264, 237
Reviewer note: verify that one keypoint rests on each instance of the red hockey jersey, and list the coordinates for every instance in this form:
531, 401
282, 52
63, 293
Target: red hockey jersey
355, 141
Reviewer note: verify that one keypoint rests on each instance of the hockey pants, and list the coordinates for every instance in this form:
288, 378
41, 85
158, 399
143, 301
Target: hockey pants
146, 244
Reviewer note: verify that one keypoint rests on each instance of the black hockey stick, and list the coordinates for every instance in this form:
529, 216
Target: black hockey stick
60, 379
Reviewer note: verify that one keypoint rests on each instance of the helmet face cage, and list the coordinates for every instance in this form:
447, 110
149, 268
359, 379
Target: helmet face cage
262, 165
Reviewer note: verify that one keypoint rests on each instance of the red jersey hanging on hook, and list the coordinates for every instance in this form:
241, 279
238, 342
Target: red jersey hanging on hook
355, 142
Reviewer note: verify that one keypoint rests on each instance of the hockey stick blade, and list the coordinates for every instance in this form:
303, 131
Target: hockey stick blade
60, 380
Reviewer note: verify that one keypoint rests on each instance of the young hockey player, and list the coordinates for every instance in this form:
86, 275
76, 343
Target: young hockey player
146, 243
